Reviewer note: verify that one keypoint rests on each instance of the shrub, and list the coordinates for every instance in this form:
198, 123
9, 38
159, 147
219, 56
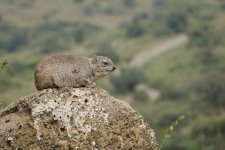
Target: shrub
141, 96
183, 143
91, 9
83, 31
79, 36
211, 87
210, 131
141, 16
3, 64
105, 49
78, 1
58, 35
51, 44
127, 80
159, 3
12, 37
129, 3
6, 84
205, 36
4, 103
135, 30
177, 21
1, 18
111, 54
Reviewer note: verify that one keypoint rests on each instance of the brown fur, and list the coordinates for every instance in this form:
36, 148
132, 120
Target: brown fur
72, 71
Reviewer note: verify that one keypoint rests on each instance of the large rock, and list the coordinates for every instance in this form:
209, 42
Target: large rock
74, 119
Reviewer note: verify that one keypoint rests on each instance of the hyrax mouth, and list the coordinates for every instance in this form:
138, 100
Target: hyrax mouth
114, 68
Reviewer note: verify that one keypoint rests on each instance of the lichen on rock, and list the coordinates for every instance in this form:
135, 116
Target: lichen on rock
74, 118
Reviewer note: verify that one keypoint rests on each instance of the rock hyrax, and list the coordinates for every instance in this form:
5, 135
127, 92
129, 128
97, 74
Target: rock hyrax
71, 71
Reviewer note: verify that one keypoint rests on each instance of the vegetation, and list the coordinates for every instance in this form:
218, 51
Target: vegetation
58, 36
135, 30
210, 89
170, 130
127, 80
3, 64
12, 37
189, 78
106, 49
141, 96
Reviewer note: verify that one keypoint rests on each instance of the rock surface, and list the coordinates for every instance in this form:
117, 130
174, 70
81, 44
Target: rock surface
74, 119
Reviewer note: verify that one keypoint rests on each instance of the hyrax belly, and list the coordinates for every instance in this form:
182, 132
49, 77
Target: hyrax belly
71, 78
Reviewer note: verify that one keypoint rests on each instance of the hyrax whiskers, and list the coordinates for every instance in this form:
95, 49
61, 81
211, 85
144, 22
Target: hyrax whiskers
71, 71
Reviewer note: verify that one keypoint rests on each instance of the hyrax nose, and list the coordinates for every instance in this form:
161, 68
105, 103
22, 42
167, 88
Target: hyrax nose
114, 68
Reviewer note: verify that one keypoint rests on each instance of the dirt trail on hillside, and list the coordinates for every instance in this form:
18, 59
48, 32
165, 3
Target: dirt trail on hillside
149, 54
161, 48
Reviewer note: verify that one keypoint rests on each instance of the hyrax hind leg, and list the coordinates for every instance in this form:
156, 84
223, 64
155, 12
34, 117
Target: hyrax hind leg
44, 82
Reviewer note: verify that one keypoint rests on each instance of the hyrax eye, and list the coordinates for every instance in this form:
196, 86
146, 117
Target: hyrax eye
105, 62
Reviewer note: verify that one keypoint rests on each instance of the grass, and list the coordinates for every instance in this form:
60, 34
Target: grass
170, 130
179, 66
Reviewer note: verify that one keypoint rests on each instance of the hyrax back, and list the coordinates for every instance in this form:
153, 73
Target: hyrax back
71, 71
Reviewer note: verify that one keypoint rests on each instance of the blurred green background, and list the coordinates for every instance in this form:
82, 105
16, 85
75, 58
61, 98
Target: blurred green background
169, 53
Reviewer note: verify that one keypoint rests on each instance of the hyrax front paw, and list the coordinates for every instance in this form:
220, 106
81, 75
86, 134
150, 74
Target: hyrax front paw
93, 85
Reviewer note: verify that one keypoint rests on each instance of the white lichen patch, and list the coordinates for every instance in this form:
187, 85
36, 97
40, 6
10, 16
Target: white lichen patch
74, 110
93, 143
80, 93
40, 108
152, 133
87, 106
142, 124
60, 111
10, 139
36, 126
64, 113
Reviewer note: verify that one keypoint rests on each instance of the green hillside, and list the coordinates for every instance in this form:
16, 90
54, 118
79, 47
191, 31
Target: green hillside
189, 78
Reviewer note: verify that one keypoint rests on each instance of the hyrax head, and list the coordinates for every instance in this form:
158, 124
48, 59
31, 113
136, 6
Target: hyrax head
102, 65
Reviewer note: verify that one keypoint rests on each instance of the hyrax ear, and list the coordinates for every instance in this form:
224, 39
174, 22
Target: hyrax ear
94, 59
